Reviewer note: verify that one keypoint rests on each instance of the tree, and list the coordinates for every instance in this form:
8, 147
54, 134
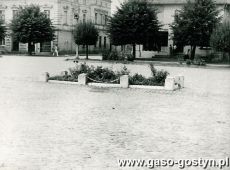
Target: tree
32, 26
134, 23
194, 23
86, 34
2, 30
220, 39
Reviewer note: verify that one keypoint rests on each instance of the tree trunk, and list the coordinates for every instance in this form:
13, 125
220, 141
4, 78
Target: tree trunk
29, 48
140, 51
193, 51
87, 52
77, 56
134, 51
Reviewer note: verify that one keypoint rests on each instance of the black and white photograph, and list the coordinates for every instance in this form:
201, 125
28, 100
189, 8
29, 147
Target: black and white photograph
114, 84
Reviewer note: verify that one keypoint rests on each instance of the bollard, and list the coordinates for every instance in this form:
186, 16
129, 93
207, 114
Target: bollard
170, 83
82, 79
124, 81
44, 77
180, 80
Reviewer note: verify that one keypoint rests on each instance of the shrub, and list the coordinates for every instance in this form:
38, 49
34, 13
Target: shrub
160, 77
188, 62
199, 61
180, 59
112, 55
157, 80
129, 57
97, 74
79, 69
103, 75
105, 55
124, 71
137, 79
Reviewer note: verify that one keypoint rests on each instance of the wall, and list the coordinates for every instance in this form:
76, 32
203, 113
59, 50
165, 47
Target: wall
64, 36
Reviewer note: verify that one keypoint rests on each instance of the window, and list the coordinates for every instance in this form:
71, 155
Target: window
99, 41
84, 2
47, 13
2, 41
95, 18
104, 42
2, 15
15, 13
84, 18
106, 19
65, 17
101, 19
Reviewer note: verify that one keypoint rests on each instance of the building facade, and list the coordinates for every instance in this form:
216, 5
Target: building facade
167, 10
64, 14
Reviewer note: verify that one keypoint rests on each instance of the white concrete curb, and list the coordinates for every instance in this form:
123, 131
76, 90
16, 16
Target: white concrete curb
171, 83
63, 82
105, 85
147, 87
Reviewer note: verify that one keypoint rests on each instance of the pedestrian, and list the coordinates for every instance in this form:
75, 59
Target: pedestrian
55, 50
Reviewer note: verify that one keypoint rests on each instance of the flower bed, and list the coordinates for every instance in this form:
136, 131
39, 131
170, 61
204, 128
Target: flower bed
106, 75
97, 75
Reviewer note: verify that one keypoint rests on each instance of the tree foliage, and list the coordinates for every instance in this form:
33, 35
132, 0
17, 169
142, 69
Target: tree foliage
86, 34
134, 23
220, 39
2, 29
194, 23
32, 26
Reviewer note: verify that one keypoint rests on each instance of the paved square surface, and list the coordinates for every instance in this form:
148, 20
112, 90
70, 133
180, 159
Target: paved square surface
61, 127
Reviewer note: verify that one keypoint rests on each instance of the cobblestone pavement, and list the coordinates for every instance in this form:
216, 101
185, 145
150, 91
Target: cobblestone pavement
61, 127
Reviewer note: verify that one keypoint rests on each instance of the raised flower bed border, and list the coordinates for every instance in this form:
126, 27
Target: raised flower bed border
171, 83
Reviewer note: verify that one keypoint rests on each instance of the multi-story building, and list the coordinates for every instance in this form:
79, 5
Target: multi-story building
167, 10
65, 14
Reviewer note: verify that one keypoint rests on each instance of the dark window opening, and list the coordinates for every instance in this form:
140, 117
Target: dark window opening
2, 41
104, 42
155, 43
99, 41
15, 46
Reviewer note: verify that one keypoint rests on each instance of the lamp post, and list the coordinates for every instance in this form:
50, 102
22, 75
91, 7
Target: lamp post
76, 16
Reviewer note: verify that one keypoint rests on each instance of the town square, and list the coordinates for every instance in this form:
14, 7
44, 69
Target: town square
80, 93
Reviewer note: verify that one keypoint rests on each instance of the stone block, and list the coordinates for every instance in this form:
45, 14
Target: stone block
170, 83
44, 77
82, 79
180, 81
124, 81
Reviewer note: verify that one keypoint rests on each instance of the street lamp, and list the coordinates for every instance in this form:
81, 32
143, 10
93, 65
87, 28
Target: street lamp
76, 16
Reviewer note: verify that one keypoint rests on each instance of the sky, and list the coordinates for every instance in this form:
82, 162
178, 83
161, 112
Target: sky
115, 3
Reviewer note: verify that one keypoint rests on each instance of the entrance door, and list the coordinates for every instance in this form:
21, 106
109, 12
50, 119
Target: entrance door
15, 45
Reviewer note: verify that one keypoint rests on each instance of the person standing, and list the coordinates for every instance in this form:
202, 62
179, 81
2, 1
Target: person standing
55, 50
